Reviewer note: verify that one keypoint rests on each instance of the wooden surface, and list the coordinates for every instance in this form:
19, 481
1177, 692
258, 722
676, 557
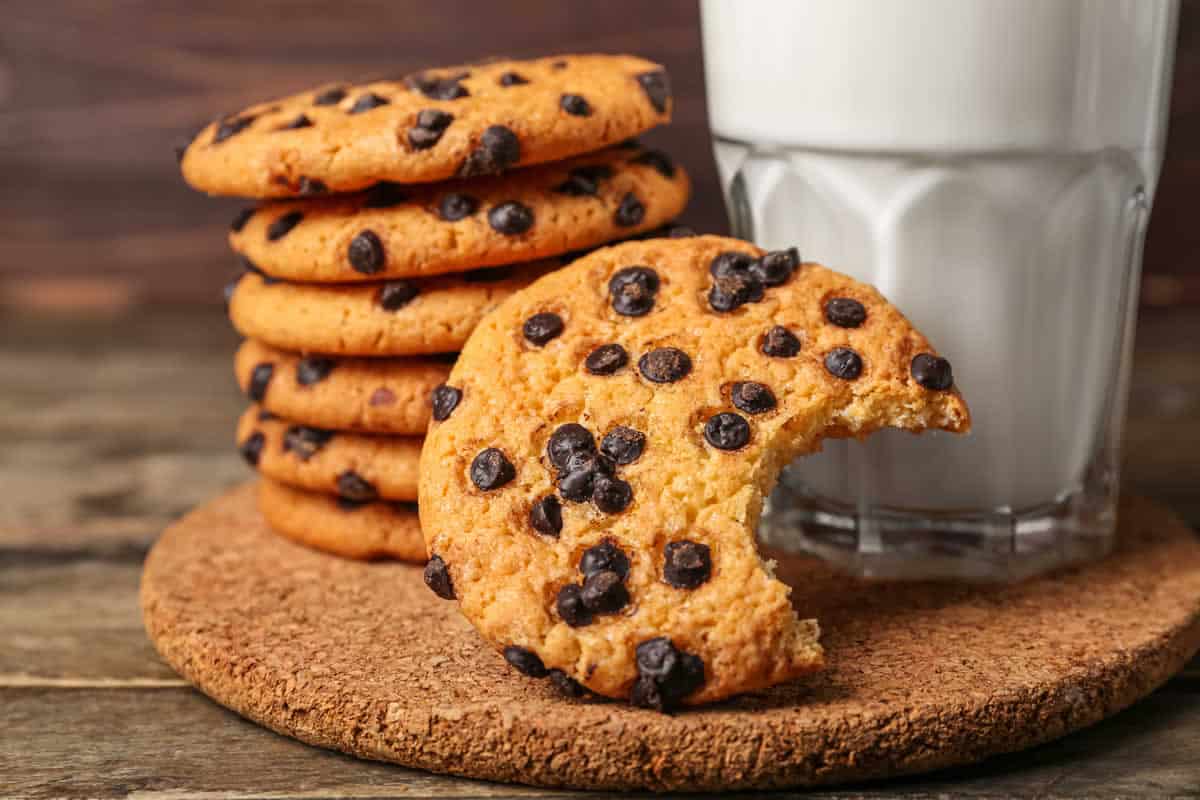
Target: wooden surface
112, 427
93, 96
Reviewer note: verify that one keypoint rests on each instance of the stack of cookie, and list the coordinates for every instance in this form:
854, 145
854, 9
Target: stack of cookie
395, 216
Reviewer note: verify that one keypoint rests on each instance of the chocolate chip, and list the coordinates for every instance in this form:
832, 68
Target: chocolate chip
231, 126
730, 263
568, 440
431, 124
311, 186
313, 369
438, 88
666, 674
571, 608
353, 486
606, 359
611, 495
774, 268
491, 470
252, 448
366, 102
727, 431
546, 516
525, 661
365, 253
575, 105
842, 362
604, 593
665, 365
346, 504
733, 291
301, 121
584, 181
779, 342
304, 441
511, 218
604, 556
631, 211
395, 295
437, 578
541, 328
260, 379
512, 79
567, 685
283, 225
661, 162
932, 372
444, 399
498, 149
265, 416
330, 97
623, 445
686, 564
751, 397
384, 195
845, 312
456, 206
657, 86
242, 218
633, 290
577, 485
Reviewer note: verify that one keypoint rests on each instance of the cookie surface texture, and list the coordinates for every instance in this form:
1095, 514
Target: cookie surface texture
595, 490
430, 126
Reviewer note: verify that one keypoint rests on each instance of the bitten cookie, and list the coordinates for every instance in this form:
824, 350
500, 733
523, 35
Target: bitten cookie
348, 394
396, 318
365, 531
591, 497
400, 232
356, 467
464, 122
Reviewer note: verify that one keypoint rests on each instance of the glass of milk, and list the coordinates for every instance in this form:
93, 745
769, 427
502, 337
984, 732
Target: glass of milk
989, 165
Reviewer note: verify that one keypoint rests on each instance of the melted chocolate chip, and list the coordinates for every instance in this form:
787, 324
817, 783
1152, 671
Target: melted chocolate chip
604, 592
623, 445
546, 516
366, 102
631, 211
751, 397
438, 88
584, 181
727, 431
353, 486
666, 674
567, 685
657, 86
431, 124
330, 97
311, 186
611, 495
575, 105
571, 608
541, 328
932, 372
606, 359
779, 342
444, 399
686, 565
242, 218
498, 149
665, 365
313, 369
842, 362
437, 578
604, 556
568, 440
283, 225
525, 661
232, 126
384, 195
661, 162
774, 268
633, 290
491, 470
512, 79
845, 312
731, 263
260, 380
395, 295
365, 253
301, 121
252, 448
304, 441
456, 206
511, 218
733, 291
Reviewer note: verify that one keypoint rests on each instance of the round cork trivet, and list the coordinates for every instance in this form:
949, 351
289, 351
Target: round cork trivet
363, 658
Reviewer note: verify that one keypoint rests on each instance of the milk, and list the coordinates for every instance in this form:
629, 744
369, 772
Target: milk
989, 166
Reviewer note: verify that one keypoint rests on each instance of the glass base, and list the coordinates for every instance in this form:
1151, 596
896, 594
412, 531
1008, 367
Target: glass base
1002, 545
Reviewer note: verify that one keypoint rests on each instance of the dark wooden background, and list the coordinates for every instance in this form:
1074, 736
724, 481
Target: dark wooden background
93, 95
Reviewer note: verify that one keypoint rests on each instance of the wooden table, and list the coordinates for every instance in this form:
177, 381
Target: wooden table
110, 427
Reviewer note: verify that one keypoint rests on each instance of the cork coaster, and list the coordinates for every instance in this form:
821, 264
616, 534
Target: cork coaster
363, 658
